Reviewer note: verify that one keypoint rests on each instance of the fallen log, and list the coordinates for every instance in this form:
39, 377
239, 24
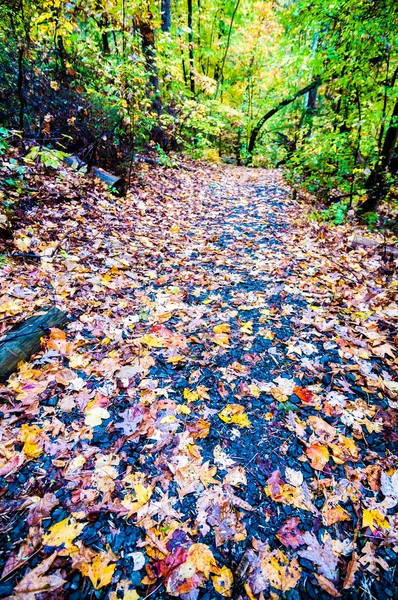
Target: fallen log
23, 340
118, 183
156, 162
358, 241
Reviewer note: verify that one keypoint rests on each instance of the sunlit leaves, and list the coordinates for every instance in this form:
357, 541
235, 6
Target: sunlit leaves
62, 535
235, 413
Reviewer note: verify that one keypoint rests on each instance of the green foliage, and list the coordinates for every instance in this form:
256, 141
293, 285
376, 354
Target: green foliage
104, 74
4, 135
47, 156
335, 213
371, 219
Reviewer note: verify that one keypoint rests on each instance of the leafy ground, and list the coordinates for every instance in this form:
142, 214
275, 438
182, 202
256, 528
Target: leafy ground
219, 417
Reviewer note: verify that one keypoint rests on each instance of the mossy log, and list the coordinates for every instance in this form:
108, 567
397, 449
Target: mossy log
23, 340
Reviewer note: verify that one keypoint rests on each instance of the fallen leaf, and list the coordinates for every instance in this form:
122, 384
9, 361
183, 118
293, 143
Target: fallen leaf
62, 535
223, 583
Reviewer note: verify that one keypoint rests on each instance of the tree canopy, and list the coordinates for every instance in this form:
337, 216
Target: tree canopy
311, 85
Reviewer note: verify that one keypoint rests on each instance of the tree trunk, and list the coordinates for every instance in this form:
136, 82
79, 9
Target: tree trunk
149, 50
273, 111
166, 15
20, 89
104, 36
24, 339
191, 51
220, 78
376, 180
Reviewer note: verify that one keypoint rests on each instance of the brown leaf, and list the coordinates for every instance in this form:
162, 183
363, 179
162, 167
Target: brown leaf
352, 568
327, 586
36, 581
289, 534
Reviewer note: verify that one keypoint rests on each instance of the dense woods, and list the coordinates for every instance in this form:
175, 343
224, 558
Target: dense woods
310, 85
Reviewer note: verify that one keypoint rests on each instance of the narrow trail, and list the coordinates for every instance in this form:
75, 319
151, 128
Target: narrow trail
219, 418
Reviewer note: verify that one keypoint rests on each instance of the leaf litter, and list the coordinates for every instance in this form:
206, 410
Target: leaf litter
219, 418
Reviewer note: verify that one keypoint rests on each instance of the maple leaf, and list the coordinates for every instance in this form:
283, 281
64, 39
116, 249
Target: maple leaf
62, 535
37, 581
95, 414
202, 558
222, 328
322, 556
304, 395
153, 341
318, 455
235, 413
223, 583
335, 515
247, 327
289, 534
99, 571
374, 519
282, 574
221, 339
141, 496
30, 435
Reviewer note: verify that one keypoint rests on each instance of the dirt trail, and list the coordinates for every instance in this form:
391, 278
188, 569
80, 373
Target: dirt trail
218, 419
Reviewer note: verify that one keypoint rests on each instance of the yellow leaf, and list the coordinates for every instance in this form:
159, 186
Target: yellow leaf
183, 410
142, 496
168, 419
223, 583
191, 395
279, 572
94, 415
54, 85
153, 341
23, 243
62, 534
202, 558
32, 450
374, 519
234, 413
247, 327
254, 390
221, 339
174, 360
99, 571
29, 434
222, 328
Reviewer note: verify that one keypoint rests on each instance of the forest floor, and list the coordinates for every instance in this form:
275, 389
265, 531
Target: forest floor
219, 418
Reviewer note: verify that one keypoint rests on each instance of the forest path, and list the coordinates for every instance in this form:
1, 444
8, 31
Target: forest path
206, 394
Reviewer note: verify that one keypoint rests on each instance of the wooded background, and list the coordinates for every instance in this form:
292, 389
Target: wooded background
311, 85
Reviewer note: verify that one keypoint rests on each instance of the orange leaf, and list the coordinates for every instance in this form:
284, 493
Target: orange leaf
318, 455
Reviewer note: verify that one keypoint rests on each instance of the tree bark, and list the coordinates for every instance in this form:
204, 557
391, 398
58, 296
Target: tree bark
273, 111
220, 78
376, 183
149, 51
21, 97
24, 339
166, 15
191, 50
